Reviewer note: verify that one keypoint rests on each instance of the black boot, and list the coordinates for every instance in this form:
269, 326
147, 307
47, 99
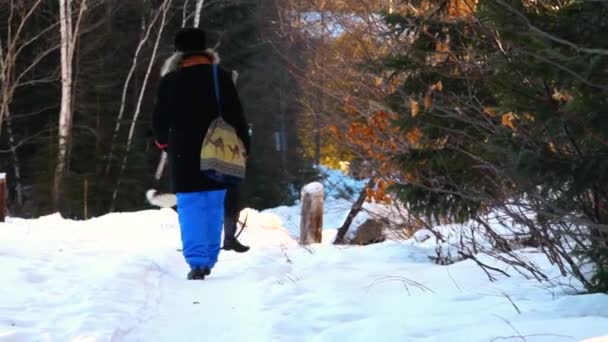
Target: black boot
232, 244
198, 274
230, 241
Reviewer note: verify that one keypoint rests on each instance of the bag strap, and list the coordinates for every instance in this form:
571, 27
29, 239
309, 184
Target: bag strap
216, 81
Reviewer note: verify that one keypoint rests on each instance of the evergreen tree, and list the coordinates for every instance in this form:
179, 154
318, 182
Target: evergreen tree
553, 84
501, 109
437, 68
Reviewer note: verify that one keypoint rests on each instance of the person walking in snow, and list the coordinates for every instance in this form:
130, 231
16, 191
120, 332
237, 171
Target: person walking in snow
186, 105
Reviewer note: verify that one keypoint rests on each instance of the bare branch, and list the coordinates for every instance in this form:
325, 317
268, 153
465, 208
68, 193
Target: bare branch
551, 37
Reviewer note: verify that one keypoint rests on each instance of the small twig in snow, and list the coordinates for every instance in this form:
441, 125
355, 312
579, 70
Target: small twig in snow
523, 338
289, 261
308, 249
453, 280
403, 281
520, 336
505, 295
291, 278
511, 301
484, 267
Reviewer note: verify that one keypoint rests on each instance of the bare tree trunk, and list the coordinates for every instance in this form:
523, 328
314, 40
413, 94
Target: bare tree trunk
16, 162
185, 13
13, 49
197, 13
354, 210
9, 128
283, 122
125, 89
86, 199
13, 74
165, 9
317, 116
317, 136
69, 35
3, 86
65, 25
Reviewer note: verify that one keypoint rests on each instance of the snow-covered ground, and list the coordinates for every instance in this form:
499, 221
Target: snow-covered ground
121, 278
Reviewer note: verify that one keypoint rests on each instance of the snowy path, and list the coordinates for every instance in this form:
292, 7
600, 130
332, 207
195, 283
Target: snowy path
221, 306
120, 278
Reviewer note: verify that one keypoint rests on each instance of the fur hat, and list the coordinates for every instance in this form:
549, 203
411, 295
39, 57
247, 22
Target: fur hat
190, 40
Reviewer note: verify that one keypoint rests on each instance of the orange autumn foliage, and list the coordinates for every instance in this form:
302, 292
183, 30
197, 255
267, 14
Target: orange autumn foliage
415, 108
375, 139
427, 102
509, 120
379, 195
490, 111
414, 136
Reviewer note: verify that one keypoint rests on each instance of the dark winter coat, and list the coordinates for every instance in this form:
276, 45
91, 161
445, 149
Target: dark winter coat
185, 107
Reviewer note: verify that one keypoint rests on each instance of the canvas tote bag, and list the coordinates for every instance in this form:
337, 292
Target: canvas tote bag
223, 154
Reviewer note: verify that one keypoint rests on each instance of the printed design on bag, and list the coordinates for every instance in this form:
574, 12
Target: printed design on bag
219, 144
228, 160
236, 151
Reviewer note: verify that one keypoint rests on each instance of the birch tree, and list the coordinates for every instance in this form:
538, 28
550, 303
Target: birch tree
15, 42
11, 137
146, 32
69, 35
14, 73
198, 11
185, 13
164, 10
196, 15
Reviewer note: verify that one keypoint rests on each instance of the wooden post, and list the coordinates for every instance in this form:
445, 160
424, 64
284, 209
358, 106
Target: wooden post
3, 194
311, 223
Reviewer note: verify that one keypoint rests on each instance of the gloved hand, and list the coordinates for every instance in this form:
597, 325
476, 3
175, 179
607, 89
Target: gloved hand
162, 147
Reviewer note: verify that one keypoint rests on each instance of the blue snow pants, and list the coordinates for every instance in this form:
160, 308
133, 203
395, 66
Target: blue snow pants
201, 217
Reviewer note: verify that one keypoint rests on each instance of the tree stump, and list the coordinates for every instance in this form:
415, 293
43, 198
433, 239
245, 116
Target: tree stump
311, 223
3, 196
